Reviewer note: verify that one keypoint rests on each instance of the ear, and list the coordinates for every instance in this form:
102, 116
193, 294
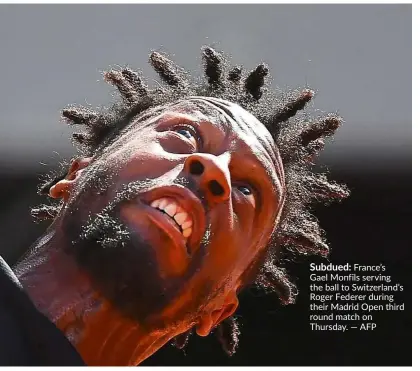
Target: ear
63, 187
210, 320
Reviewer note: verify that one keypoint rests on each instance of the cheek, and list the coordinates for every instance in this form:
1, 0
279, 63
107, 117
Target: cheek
229, 246
172, 143
245, 218
148, 160
235, 244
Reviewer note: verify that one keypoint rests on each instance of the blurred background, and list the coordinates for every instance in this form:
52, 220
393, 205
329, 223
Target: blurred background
357, 58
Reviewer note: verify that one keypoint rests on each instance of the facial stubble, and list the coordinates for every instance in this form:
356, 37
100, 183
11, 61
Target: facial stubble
121, 263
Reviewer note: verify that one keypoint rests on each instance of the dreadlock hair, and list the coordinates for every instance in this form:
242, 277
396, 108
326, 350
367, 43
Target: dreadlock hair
299, 138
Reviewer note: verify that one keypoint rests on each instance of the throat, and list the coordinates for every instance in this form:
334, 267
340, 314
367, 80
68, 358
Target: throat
101, 335
58, 289
109, 339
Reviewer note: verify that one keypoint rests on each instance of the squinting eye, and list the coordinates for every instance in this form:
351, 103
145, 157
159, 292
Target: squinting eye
248, 192
245, 190
189, 133
185, 133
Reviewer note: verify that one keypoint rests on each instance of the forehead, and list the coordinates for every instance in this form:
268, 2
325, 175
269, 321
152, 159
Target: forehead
229, 123
229, 117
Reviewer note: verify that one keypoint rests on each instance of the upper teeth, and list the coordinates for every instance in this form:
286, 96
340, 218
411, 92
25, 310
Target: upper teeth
174, 210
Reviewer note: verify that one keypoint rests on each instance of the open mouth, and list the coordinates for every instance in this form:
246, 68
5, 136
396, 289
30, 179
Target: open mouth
179, 213
176, 214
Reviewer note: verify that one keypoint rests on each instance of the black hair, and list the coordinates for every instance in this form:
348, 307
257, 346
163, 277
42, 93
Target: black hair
299, 137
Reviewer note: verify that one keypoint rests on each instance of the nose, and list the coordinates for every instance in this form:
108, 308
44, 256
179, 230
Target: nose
212, 174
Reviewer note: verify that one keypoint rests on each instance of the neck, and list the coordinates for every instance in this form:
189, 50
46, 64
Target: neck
64, 294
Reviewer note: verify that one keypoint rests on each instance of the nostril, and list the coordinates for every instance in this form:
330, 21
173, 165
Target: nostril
215, 188
196, 168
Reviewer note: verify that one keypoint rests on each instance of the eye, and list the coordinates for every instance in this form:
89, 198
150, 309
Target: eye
190, 133
248, 192
185, 133
245, 190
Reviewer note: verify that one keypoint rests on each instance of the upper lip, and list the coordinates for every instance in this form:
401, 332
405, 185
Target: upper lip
189, 202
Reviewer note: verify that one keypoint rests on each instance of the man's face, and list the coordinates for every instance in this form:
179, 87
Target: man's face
208, 189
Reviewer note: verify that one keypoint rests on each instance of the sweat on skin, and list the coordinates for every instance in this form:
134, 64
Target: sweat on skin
115, 271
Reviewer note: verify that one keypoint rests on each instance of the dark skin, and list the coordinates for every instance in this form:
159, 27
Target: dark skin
200, 236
